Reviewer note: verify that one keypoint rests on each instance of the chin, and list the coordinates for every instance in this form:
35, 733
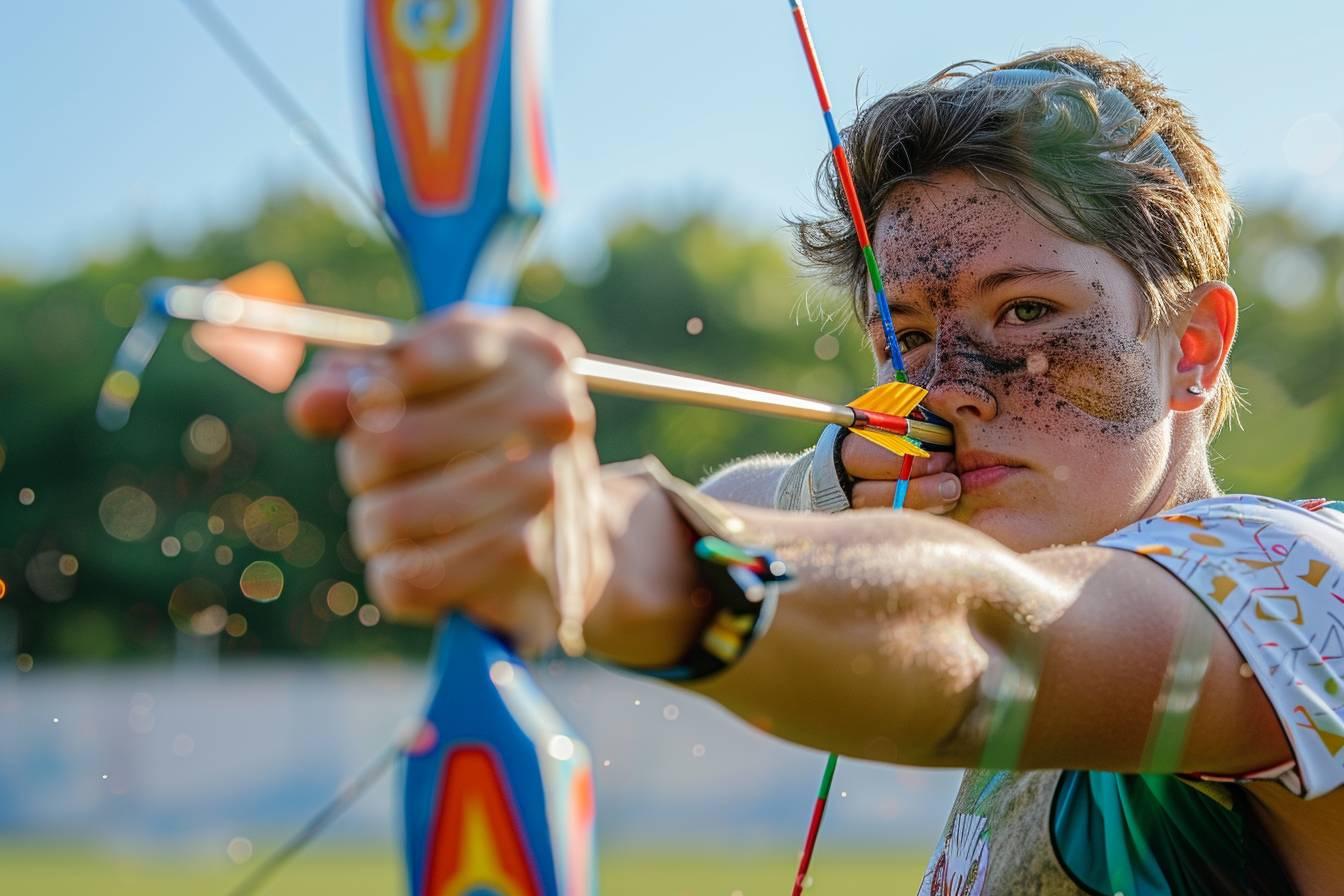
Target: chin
1012, 527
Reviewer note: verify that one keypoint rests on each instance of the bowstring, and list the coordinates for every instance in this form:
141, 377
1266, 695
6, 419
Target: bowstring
840, 160
263, 78
347, 796
251, 65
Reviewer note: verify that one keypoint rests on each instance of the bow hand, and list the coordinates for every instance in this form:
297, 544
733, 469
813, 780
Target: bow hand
467, 449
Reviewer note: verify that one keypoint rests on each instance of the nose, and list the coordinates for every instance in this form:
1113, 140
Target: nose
956, 393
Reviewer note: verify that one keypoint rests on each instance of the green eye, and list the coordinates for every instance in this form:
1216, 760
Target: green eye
1027, 312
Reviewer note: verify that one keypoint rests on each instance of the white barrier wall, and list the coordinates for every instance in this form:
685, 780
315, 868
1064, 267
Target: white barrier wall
150, 755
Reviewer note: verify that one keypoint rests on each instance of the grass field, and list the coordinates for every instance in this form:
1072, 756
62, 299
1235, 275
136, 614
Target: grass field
43, 869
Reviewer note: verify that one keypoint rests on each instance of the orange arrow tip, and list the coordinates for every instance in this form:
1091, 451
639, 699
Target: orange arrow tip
270, 360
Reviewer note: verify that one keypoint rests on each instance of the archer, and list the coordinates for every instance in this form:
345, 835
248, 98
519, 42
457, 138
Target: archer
1132, 665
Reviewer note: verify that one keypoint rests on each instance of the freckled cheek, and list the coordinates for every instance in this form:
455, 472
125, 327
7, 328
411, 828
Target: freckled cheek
1113, 394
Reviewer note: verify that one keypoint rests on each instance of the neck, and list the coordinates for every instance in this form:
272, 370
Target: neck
1189, 477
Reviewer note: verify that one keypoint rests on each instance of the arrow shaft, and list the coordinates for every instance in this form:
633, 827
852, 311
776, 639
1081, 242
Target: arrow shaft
336, 327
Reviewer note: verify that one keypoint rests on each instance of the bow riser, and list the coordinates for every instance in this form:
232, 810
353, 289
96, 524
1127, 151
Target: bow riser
498, 791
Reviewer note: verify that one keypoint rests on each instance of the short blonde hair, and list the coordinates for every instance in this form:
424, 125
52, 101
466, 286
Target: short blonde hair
1092, 173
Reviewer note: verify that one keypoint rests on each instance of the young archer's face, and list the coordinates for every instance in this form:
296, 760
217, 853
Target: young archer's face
1030, 346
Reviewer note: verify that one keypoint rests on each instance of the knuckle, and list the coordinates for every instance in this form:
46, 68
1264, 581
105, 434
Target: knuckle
387, 587
408, 582
420, 361
551, 416
363, 527
565, 339
543, 348
376, 520
350, 463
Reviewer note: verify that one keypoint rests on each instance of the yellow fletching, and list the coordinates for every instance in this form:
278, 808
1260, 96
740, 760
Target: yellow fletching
898, 445
897, 399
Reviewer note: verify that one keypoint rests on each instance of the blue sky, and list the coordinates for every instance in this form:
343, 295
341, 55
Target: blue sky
122, 118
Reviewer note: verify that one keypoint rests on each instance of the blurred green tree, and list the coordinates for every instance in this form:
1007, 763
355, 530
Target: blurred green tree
206, 520
150, 540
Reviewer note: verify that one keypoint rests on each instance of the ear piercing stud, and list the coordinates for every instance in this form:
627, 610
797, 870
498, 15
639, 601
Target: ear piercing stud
1195, 390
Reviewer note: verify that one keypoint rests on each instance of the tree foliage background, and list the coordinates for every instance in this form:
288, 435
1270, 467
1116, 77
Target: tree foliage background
137, 543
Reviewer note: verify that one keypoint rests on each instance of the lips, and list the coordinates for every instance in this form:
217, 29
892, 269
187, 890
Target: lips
982, 469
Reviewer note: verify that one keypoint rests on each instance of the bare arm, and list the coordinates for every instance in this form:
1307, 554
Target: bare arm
901, 628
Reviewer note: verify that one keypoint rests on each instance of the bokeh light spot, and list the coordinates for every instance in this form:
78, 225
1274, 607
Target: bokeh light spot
46, 578
369, 615
190, 607
236, 626
24, 662
695, 326
271, 523
261, 581
210, 621
501, 673
122, 387
376, 404
223, 555
68, 564
560, 747
827, 347
206, 443
170, 546
239, 850
27, 496
230, 509
127, 513
342, 598
307, 547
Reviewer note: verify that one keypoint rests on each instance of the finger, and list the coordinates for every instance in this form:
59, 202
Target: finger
424, 580
429, 505
935, 494
864, 460
500, 414
318, 404
487, 573
461, 346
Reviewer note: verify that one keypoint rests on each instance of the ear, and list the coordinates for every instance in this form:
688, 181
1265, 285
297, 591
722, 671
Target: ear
1209, 328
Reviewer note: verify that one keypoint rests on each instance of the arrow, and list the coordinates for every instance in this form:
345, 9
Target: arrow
888, 415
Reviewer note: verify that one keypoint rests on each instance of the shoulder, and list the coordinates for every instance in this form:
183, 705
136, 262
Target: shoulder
1228, 523
1272, 573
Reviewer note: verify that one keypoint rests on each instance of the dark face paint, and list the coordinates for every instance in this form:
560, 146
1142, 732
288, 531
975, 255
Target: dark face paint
1094, 365
1076, 398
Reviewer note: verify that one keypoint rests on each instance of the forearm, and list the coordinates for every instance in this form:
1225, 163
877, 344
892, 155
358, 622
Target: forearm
872, 652
877, 648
